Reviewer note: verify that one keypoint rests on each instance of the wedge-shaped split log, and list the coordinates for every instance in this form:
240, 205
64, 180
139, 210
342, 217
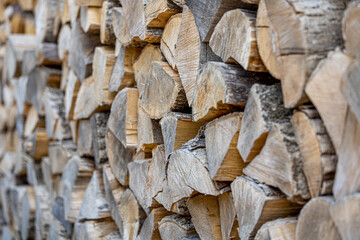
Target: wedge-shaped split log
45, 14
33, 121
223, 88
283, 228
71, 92
97, 229
317, 211
36, 145
349, 25
267, 204
75, 179
172, 95
234, 39
107, 35
98, 127
59, 154
317, 150
264, 109
350, 87
43, 211
228, 220
90, 19
85, 143
63, 41
150, 228
175, 227
158, 12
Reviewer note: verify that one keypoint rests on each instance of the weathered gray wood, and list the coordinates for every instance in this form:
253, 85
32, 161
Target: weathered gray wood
98, 126
85, 147
175, 227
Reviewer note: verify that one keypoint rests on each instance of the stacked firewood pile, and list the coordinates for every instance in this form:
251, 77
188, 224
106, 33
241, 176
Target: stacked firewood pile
173, 119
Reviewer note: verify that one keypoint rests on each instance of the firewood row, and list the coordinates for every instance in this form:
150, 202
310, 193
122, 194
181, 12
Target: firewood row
180, 119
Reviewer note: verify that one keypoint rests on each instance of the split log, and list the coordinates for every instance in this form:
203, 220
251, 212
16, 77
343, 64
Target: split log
63, 41
319, 158
177, 129
264, 109
221, 136
347, 177
29, 62
36, 144
265, 45
81, 52
94, 206
75, 179
107, 35
158, 12
284, 228
324, 83
143, 64
97, 229
223, 88
65, 70
120, 27
190, 53
349, 30
293, 31
93, 3
85, 144
45, 14
350, 87
71, 92
73, 11
149, 132
119, 157
267, 204
32, 122
205, 215
90, 19
123, 74
47, 54
150, 228
27, 5
74, 125
176, 227
169, 39
59, 155
104, 60
234, 39
47, 174
86, 104
59, 214
125, 210
20, 87
98, 126
43, 212
172, 95
123, 117
228, 220
208, 13
345, 214
314, 212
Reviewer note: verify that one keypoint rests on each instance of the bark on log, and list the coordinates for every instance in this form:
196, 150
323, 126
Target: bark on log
85, 143
107, 35
98, 126
176, 227
150, 228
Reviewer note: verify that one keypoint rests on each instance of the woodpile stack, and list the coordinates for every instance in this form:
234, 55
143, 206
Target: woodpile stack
175, 120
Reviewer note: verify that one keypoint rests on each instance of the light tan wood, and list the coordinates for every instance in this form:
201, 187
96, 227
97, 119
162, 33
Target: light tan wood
349, 30
71, 92
59, 155
90, 19
169, 39
47, 54
93, 3
97, 229
176, 227
150, 228
228, 220
158, 12
32, 122
64, 40
85, 147
106, 29
284, 228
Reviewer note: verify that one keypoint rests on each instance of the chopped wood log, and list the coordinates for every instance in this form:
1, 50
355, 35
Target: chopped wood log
43, 211
221, 136
172, 96
107, 35
292, 32
27, 5
71, 92
59, 214
177, 129
268, 204
223, 88
205, 215
284, 228
345, 215
264, 38
123, 117
74, 125
228, 220
19, 85
97, 229
315, 211
46, 173
280, 164
65, 70
90, 19
150, 228
63, 41
104, 60
32, 122
330, 71
158, 12
86, 104
81, 52
37, 144
47, 54
98, 126
73, 12
94, 206
119, 157
29, 62
175, 227
123, 74
347, 179
138, 181
170, 38
208, 13
45, 14
234, 39
125, 209
85, 144
120, 27
264, 109
59, 155
319, 158
349, 30
190, 53
143, 64
75, 179
93, 3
